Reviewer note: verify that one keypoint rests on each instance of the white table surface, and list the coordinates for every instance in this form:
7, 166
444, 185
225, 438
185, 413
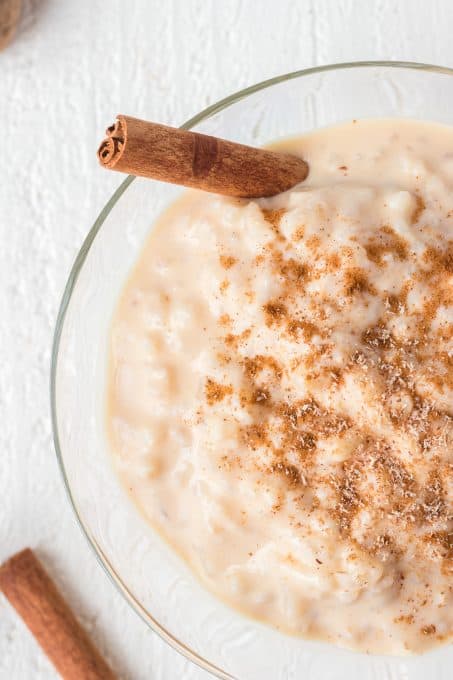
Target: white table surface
72, 67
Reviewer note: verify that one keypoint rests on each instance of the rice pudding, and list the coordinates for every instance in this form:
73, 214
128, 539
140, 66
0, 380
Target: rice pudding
280, 398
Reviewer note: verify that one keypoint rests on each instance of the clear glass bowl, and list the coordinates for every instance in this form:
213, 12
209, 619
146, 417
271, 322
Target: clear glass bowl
156, 583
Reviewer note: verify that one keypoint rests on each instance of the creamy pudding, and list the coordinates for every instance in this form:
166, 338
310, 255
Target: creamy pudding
280, 399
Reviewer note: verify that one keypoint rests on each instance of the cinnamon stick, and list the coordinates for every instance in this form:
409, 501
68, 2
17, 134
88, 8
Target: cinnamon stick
194, 160
37, 600
9, 18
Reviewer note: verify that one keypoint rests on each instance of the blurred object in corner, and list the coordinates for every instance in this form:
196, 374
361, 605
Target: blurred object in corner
9, 18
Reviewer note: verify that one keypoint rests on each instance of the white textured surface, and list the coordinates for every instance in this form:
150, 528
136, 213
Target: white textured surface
72, 67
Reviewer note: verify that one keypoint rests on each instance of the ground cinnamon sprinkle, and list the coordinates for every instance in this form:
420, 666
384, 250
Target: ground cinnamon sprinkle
387, 241
254, 366
216, 391
395, 303
290, 270
429, 630
262, 397
224, 285
289, 472
378, 336
273, 217
313, 242
405, 618
275, 311
444, 541
356, 281
375, 252
227, 261
433, 506
285, 434
440, 259
254, 435
233, 341
420, 206
396, 244
333, 262
299, 233
299, 327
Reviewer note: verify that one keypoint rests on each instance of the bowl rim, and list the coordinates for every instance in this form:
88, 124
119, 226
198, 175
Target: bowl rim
76, 268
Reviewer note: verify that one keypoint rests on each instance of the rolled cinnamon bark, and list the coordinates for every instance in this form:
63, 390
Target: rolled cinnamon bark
36, 599
193, 160
9, 18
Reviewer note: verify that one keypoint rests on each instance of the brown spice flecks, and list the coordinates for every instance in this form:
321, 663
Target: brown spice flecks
394, 304
300, 327
445, 332
253, 366
440, 259
356, 281
261, 397
441, 295
333, 262
318, 352
233, 341
290, 472
291, 271
215, 391
443, 540
335, 373
224, 285
299, 233
429, 630
227, 261
401, 483
387, 241
433, 505
381, 493
313, 242
223, 358
347, 252
396, 244
255, 435
375, 251
383, 547
405, 618
378, 336
419, 208
273, 217
275, 311
349, 499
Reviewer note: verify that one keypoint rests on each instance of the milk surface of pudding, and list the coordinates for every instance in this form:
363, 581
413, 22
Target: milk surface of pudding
280, 398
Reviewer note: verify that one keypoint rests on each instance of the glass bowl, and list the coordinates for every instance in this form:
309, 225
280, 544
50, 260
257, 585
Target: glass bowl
156, 583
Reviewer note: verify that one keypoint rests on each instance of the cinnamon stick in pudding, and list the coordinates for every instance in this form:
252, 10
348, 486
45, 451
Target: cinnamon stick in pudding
36, 599
194, 160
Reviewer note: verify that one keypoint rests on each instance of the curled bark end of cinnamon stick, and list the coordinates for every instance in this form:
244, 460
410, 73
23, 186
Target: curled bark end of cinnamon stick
199, 161
34, 596
112, 146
